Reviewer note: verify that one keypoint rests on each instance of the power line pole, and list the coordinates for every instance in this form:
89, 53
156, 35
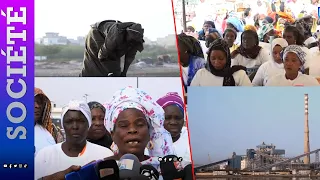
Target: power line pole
85, 96
184, 20
137, 82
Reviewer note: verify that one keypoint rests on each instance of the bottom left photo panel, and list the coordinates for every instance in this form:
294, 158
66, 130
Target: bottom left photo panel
111, 128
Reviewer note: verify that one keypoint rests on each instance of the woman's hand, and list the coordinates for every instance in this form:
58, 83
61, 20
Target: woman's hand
61, 175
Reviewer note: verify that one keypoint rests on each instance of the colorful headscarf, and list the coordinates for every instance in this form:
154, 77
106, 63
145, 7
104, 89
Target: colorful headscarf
77, 106
171, 98
237, 23
130, 97
299, 52
250, 27
265, 29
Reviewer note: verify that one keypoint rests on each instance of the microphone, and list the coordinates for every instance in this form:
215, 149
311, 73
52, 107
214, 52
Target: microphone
86, 172
129, 166
150, 172
171, 167
98, 170
107, 170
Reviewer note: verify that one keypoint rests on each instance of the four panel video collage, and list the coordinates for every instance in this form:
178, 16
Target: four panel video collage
131, 90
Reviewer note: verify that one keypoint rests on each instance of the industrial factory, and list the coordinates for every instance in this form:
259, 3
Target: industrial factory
266, 159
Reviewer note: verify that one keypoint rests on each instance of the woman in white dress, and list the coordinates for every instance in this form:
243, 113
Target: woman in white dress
271, 68
250, 54
218, 70
293, 58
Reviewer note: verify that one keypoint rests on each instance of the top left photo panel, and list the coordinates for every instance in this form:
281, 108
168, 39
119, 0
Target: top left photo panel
100, 38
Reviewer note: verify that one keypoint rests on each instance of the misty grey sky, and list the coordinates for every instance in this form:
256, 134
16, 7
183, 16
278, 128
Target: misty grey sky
61, 90
227, 120
73, 18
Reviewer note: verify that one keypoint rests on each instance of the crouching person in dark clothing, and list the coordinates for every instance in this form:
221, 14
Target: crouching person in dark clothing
106, 43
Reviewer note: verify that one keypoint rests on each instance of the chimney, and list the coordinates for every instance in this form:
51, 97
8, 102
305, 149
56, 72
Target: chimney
306, 129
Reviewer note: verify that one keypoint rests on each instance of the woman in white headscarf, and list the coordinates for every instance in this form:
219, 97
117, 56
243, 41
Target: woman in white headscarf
293, 59
135, 121
54, 162
271, 67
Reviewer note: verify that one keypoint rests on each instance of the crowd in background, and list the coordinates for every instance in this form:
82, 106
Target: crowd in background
274, 43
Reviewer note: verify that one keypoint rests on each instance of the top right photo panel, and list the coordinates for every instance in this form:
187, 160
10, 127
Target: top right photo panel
248, 42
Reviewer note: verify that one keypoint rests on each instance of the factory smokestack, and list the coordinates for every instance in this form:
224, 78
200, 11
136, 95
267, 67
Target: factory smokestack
306, 129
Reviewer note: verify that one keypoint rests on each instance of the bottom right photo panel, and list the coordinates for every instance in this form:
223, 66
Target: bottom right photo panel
254, 133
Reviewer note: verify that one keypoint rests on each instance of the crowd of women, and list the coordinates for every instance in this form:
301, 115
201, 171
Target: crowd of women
253, 52
131, 122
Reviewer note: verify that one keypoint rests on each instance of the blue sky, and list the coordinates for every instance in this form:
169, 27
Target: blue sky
226, 120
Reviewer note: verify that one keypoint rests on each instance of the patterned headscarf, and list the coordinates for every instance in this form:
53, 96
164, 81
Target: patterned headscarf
299, 52
171, 98
77, 106
94, 104
265, 29
193, 45
130, 97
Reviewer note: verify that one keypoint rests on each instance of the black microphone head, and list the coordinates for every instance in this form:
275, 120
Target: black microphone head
129, 166
171, 168
150, 172
107, 169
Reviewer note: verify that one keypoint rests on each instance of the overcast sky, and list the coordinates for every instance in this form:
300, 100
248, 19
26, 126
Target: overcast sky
61, 90
227, 120
73, 18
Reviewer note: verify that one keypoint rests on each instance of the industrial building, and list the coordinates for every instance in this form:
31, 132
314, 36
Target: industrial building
267, 159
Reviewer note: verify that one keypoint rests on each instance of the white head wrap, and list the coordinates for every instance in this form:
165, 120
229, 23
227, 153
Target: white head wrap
278, 42
77, 106
299, 52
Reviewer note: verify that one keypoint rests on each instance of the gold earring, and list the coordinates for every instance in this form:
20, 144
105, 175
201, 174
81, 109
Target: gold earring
150, 145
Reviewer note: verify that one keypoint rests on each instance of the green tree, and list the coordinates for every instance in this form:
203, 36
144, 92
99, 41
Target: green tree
42, 50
